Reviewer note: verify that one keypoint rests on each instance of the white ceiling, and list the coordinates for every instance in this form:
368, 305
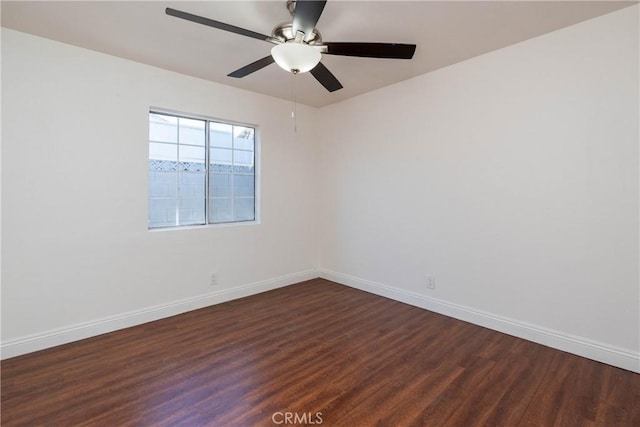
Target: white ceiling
445, 33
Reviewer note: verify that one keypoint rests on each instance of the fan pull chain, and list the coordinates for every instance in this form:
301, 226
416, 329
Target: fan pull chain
294, 107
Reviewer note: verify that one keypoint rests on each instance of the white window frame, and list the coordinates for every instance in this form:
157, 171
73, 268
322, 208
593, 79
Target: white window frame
207, 147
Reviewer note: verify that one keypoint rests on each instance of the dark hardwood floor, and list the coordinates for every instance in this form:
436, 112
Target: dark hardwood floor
315, 352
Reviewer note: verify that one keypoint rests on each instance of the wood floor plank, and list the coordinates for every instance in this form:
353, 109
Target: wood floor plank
438, 410
315, 347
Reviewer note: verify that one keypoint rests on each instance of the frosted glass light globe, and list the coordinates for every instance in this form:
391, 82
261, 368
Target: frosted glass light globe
296, 57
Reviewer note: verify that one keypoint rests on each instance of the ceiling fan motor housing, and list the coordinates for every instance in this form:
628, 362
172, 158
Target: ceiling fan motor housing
284, 33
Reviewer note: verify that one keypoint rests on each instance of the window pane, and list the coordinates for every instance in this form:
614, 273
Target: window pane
192, 158
162, 212
243, 158
220, 156
163, 128
243, 138
191, 210
159, 151
219, 185
243, 169
163, 184
192, 184
220, 135
244, 209
220, 210
163, 165
243, 185
192, 131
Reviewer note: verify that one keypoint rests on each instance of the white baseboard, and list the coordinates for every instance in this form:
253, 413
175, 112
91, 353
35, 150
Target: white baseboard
580, 346
28, 344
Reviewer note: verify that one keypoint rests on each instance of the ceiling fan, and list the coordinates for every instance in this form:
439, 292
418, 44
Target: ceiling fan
298, 44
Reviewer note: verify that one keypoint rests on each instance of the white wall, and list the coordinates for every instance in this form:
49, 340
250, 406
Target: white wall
77, 251
511, 177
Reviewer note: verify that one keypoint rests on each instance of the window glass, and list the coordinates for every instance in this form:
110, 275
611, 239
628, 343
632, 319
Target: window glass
192, 131
163, 128
220, 135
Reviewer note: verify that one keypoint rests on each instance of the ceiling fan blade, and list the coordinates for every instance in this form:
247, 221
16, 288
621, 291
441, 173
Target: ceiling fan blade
372, 50
306, 16
215, 24
253, 67
326, 79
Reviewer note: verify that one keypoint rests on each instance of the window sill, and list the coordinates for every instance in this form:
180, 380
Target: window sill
199, 227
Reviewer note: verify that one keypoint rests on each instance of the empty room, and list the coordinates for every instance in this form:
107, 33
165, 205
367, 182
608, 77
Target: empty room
340, 213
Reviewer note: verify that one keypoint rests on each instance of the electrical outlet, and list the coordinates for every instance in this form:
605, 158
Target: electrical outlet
213, 279
431, 282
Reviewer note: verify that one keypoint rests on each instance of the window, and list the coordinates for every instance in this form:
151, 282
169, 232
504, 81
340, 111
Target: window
200, 171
